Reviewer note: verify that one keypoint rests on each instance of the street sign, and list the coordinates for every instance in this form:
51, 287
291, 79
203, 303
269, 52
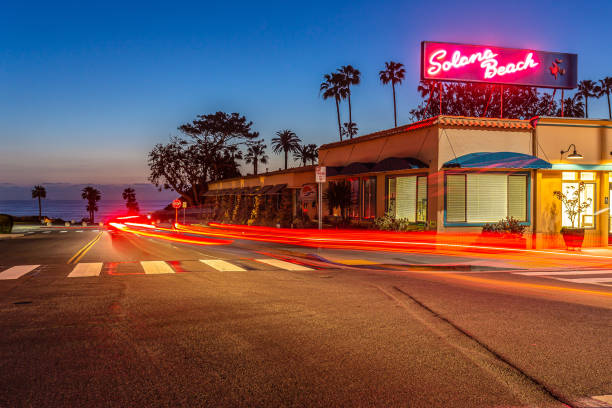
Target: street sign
176, 204
320, 174
184, 204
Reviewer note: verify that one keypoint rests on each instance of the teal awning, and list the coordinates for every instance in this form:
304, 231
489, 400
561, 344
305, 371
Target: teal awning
500, 160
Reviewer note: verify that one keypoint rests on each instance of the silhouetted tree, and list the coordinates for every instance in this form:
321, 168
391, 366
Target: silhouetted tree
332, 87
39, 192
603, 89
92, 196
586, 89
129, 195
256, 153
349, 76
285, 141
393, 74
349, 129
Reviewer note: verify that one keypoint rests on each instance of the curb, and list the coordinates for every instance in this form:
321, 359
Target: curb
10, 236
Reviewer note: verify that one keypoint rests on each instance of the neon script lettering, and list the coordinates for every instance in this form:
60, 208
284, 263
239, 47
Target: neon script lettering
486, 59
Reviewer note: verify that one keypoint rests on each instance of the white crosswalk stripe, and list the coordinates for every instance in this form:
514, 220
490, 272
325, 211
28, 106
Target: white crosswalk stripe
222, 266
156, 267
16, 272
86, 269
284, 265
593, 278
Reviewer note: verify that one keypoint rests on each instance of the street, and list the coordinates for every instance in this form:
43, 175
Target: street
98, 319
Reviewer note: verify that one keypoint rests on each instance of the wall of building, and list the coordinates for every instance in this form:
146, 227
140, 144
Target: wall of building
592, 138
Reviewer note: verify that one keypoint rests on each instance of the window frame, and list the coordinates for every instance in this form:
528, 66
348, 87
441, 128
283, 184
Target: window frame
363, 198
480, 224
593, 203
416, 209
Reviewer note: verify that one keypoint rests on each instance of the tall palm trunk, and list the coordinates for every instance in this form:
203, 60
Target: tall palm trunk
609, 111
350, 109
394, 105
586, 106
39, 210
286, 152
339, 124
255, 165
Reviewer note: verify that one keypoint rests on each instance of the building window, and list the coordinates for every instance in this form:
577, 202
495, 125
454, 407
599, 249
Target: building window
407, 197
369, 197
586, 219
355, 195
486, 197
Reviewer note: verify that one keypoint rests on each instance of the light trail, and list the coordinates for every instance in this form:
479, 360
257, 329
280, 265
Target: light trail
173, 236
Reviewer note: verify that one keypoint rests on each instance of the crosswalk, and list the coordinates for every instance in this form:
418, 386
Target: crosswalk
97, 269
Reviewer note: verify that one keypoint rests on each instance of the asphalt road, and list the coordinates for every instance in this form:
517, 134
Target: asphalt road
277, 325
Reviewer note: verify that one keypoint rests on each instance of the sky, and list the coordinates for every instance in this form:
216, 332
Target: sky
88, 88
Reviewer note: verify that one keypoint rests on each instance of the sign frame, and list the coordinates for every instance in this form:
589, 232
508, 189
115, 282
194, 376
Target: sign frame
552, 74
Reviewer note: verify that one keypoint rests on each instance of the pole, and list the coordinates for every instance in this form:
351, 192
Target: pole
320, 204
175, 217
440, 94
562, 113
183, 215
501, 97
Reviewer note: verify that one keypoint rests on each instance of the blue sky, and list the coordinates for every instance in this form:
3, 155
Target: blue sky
87, 89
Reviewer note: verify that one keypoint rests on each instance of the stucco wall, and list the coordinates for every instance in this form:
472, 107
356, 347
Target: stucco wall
593, 140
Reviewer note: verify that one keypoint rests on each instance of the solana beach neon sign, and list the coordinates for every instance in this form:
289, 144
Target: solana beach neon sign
478, 63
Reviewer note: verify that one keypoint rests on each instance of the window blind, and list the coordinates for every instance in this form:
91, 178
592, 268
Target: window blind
517, 197
487, 197
455, 198
405, 200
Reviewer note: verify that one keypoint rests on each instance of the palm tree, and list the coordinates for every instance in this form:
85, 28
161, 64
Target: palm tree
39, 192
332, 88
301, 154
92, 196
286, 141
312, 153
233, 152
130, 196
586, 89
338, 194
394, 74
256, 153
604, 88
350, 129
350, 76
572, 107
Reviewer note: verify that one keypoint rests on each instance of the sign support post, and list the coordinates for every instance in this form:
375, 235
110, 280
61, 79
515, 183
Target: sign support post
320, 176
176, 204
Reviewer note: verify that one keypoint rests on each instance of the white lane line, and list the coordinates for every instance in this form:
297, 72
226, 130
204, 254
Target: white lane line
222, 266
78, 231
46, 232
605, 398
86, 269
63, 231
587, 280
156, 267
17, 271
284, 265
561, 273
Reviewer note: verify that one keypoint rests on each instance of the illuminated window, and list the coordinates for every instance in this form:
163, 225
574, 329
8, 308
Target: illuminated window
587, 176
586, 219
486, 197
355, 195
407, 197
369, 197
568, 175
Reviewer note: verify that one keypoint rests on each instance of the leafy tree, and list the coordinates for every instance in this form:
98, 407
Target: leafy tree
39, 192
130, 196
349, 129
604, 88
312, 153
92, 196
483, 100
586, 89
573, 206
349, 76
301, 154
332, 87
393, 74
338, 194
256, 153
285, 141
203, 153
572, 107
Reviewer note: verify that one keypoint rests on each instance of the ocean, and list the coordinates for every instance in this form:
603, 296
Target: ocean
75, 209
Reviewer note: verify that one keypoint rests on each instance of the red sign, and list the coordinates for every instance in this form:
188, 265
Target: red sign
496, 65
176, 204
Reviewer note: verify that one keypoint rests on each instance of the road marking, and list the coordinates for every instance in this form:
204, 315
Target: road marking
561, 273
284, 265
63, 231
17, 271
605, 398
46, 232
587, 280
156, 267
86, 269
78, 231
222, 266
76, 257
354, 261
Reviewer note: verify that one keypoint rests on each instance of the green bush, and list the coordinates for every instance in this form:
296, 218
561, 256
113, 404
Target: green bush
6, 224
389, 223
508, 225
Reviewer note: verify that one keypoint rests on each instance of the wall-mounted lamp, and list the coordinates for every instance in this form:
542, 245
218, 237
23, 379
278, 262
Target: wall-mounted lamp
573, 155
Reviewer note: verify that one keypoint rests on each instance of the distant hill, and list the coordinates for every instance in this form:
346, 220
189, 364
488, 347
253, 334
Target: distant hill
68, 191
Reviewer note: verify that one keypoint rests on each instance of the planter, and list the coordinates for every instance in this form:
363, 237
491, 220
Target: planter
573, 237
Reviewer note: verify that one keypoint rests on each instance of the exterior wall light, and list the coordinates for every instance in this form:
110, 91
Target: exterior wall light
573, 155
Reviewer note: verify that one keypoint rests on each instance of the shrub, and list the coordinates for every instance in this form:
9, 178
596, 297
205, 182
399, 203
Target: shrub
6, 224
508, 225
389, 223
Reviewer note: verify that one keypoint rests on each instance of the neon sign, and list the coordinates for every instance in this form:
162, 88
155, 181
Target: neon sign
476, 63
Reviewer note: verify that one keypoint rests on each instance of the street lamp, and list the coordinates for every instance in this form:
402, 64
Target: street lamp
573, 155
